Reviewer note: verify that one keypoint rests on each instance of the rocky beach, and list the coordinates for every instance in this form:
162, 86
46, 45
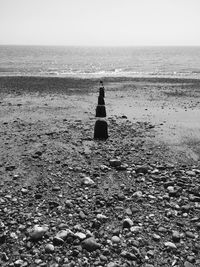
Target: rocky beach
69, 200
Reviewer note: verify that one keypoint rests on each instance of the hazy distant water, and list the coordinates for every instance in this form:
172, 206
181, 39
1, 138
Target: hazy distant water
100, 61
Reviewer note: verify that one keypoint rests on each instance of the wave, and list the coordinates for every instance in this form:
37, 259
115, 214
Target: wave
87, 73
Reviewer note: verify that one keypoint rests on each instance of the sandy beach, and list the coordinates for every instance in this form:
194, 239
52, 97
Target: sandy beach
140, 204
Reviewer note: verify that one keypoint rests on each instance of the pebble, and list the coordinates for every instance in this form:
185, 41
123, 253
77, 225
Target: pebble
18, 263
136, 229
188, 264
82, 215
176, 236
156, 237
127, 223
38, 231
112, 264
128, 211
189, 234
170, 245
63, 234
115, 162
190, 173
115, 239
128, 255
56, 188
142, 169
49, 248
90, 244
101, 217
58, 241
80, 235
87, 181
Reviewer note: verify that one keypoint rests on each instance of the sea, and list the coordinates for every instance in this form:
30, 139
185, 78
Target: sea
92, 62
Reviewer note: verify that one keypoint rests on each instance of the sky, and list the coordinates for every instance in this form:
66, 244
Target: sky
100, 22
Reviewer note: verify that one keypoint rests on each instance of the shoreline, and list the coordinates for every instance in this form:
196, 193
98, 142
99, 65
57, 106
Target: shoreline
107, 78
78, 85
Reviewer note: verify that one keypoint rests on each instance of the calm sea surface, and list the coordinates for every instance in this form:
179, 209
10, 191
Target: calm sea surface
183, 62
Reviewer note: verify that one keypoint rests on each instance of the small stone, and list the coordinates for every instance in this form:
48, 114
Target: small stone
142, 169
156, 237
170, 245
190, 173
128, 211
162, 229
112, 264
4, 257
24, 191
38, 232
57, 241
101, 217
63, 234
18, 263
56, 188
127, 223
188, 264
80, 235
87, 181
190, 234
138, 194
10, 168
127, 255
90, 244
82, 215
198, 225
176, 236
103, 258
68, 203
136, 229
115, 239
115, 162
49, 248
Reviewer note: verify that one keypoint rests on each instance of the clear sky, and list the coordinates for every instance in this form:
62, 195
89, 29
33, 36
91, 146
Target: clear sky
100, 22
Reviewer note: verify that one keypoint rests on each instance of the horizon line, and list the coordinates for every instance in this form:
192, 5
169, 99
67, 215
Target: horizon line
75, 45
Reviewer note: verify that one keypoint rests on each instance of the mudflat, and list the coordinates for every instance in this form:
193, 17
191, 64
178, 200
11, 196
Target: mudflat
134, 197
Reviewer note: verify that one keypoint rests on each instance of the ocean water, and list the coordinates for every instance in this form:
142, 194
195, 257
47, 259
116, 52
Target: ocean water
63, 61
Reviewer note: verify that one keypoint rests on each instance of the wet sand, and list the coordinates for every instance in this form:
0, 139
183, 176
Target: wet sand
173, 106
